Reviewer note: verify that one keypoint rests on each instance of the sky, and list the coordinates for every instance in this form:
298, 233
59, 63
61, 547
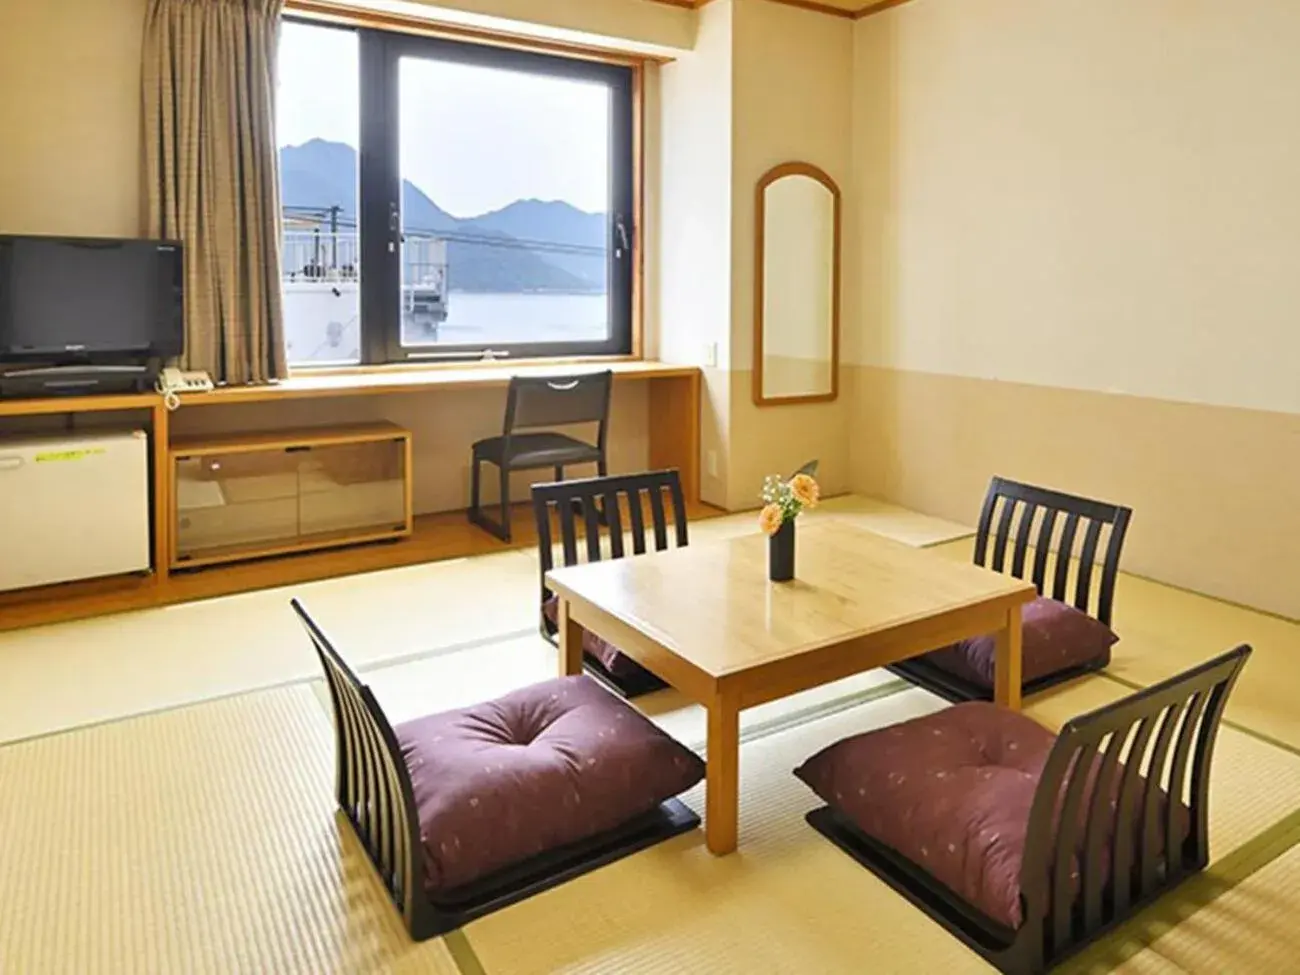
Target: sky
474, 139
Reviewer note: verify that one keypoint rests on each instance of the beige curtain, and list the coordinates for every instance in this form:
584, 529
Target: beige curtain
212, 172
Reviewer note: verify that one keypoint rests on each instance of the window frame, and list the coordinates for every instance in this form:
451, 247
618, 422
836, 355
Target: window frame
379, 184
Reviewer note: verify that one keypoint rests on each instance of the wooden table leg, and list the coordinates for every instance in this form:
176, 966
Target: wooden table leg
1006, 666
722, 795
570, 641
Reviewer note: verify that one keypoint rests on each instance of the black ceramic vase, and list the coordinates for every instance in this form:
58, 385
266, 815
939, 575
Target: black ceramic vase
780, 553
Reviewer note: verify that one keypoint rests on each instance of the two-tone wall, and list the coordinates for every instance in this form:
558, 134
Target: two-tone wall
1077, 262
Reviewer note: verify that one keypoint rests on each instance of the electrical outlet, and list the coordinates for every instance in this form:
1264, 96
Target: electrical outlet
712, 463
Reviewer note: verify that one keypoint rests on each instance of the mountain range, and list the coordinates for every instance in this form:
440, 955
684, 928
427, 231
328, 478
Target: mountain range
506, 251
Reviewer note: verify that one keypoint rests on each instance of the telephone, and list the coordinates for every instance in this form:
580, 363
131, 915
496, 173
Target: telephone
172, 382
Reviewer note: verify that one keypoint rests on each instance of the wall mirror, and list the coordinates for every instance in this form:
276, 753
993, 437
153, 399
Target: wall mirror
796, 286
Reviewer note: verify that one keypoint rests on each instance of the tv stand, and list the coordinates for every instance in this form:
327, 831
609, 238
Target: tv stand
77, 380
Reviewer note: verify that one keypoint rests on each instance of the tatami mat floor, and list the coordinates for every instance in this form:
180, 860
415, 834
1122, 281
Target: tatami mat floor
202, 838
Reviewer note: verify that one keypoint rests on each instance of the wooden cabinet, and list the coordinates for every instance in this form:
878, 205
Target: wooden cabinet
241, 497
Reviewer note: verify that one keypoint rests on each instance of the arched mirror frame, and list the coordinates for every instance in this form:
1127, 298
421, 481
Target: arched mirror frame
760, 220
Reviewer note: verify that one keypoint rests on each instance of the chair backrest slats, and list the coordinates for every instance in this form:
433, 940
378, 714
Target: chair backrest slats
600, 501
1043, 548
1063, 557
614, 514
591, 522
1151, 847
1022, 540
1178, 769
1014, 508
1066, 869
1127, 765
657, 516
637, 516
568, 533
1101, 824
1122, 871
374, 787
1004, 533
1086, 559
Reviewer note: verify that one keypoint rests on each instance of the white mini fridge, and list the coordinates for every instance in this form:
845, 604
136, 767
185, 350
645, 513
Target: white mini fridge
73, 507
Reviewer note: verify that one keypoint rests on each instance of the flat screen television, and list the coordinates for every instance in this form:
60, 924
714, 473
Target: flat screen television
73, 300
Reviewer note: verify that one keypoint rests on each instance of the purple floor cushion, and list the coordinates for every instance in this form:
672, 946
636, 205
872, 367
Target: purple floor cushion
619, 664
544, 766
1055, 637
950, 791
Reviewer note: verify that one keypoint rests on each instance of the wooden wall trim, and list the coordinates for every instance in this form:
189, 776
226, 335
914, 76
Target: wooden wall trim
879, 6
340, 12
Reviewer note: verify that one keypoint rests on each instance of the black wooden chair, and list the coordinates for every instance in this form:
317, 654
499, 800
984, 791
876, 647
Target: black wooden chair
605, 502
541, 401
375, 791
1023, 513
1106, 833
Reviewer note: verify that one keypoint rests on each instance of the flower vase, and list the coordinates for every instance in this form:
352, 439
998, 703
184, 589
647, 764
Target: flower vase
780, 553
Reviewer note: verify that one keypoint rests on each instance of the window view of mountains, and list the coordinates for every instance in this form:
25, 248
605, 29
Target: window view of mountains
528, 246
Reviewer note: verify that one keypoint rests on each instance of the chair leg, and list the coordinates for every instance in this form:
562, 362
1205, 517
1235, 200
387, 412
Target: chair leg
559, 472
475, 513
505, 503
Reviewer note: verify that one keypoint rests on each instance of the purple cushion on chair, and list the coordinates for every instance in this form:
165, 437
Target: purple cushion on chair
544, 766
1055, 637
615, 661
950, 791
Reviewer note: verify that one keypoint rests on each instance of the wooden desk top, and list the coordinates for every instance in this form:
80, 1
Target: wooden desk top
376, 382
404, 380
713, 606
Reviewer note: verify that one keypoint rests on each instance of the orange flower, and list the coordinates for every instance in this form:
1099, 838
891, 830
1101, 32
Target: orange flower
769, 519
805, 490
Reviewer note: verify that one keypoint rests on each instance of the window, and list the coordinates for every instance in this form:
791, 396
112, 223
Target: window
446, 201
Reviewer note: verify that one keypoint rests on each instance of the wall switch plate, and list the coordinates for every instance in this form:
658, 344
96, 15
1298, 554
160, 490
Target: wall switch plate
711, 355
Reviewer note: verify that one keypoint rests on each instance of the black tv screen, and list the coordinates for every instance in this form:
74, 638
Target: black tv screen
81, 299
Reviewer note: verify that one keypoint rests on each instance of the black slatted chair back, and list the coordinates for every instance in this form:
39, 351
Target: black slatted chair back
809, 468
1088, 864
1060, 527
373, 785
589, 519
552, 401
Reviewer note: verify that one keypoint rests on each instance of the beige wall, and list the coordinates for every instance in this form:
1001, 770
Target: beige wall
792, 90
692, 256
1060, 203
70, 146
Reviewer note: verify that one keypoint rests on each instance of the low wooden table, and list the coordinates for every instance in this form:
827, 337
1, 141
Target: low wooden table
706, 619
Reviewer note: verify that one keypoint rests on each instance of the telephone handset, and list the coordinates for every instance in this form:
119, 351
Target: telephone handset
172, 382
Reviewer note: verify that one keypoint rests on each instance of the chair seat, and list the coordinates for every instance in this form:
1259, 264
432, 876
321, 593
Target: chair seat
1056, 637
536, 450
951, 792
618, 664
545, 766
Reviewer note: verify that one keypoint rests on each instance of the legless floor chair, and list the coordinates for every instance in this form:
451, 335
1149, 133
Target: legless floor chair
597, 512
1027, 845
466, 812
